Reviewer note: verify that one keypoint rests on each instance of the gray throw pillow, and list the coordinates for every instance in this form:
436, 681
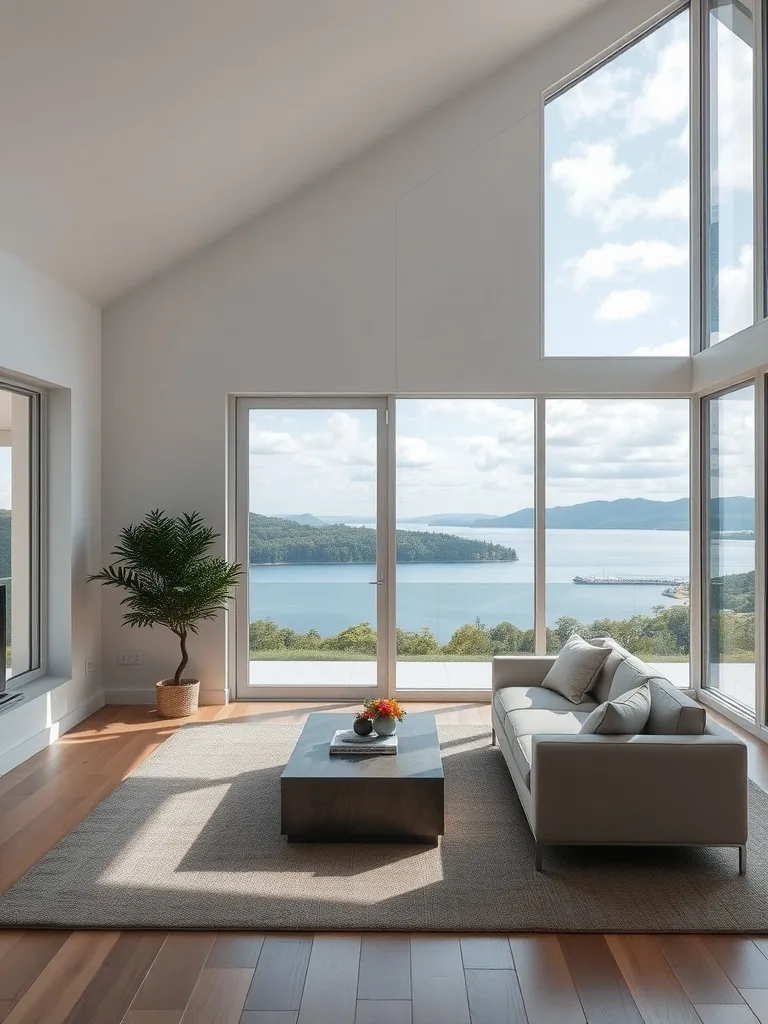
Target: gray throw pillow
627, 715
576, 668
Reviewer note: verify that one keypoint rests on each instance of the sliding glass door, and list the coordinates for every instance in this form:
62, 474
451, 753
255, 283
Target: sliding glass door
729, 543
311, 480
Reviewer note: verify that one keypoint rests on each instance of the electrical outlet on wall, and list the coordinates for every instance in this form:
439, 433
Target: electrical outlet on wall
129, 658
88, 666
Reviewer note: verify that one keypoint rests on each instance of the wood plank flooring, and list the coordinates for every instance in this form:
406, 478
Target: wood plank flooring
303, 978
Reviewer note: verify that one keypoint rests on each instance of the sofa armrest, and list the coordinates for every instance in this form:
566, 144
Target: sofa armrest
639, 789
520, 670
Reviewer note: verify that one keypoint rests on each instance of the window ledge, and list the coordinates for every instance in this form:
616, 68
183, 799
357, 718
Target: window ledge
32, 690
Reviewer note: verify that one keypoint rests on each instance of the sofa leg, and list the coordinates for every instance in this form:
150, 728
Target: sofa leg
742, 860
493, 737
537, 855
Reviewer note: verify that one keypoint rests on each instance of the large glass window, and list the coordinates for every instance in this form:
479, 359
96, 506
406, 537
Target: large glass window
19, 532
730, 528
315, 557
617, 204
731, 115
465, 497
617, 520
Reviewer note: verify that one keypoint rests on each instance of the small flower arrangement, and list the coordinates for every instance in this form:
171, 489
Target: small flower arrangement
382, 707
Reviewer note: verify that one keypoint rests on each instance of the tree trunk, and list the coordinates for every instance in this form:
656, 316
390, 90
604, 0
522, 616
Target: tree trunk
184, 656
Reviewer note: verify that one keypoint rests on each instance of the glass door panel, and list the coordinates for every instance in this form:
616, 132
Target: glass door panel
316, 592
730, 526
464, 537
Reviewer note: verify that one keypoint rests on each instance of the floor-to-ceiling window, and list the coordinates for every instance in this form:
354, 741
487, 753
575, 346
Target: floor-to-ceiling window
617, 526
729, 520
465, 572
731, 167
616, 226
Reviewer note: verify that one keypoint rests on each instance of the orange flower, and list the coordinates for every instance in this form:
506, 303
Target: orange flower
384, 707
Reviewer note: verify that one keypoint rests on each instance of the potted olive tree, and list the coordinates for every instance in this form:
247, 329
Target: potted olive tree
170, 580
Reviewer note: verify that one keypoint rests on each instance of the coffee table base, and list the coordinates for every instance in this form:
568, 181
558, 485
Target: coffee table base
364, 798
322, 837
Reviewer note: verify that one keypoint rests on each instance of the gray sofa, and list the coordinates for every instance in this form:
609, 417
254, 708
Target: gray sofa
666, 786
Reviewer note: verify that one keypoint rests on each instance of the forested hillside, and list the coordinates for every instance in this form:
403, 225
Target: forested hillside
282, 541
5, 542
735, 592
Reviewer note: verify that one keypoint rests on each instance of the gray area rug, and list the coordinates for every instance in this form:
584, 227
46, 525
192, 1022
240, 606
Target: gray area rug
191, 840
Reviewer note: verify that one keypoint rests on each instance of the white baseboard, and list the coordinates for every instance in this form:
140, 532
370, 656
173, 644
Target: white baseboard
146, 695
19, 753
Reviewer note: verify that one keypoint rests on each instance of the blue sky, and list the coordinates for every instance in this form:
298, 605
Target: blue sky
616, 198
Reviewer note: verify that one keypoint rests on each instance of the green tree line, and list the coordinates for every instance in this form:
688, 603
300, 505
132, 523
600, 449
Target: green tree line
663, 636
276, 541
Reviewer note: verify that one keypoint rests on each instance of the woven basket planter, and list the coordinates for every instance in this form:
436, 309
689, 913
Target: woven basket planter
177, 700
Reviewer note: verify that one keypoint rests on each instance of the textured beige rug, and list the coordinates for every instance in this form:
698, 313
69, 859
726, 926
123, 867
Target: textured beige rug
191, 840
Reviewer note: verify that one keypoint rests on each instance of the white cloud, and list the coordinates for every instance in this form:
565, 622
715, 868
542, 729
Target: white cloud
625, 304
601, 94
267, 442
664, 94
611, 258
590, 177
678, 347
415, 453
733, 118
488, 453
672, 202
735, 296
616, 448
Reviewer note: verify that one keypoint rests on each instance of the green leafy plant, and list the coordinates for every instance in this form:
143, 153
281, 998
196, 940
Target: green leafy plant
169, 578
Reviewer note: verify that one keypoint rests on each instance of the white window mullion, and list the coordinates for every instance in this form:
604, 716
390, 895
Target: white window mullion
698, 177
540, 527
761, 663
696, 548
760, 164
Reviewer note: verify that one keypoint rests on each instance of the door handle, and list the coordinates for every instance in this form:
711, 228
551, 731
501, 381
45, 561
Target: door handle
375, 583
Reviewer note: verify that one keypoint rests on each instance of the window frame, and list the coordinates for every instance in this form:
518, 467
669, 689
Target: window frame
584, 71
38, 648
699, 164
712, 695
236, 542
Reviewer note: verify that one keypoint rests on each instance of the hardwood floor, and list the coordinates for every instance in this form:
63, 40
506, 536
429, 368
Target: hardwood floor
284, 978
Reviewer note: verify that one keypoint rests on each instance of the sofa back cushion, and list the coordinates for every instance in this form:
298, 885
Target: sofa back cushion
626, 715
674, 713
575, 669
602, 685
629, 674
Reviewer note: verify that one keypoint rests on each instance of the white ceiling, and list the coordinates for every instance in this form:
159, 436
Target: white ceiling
134, 131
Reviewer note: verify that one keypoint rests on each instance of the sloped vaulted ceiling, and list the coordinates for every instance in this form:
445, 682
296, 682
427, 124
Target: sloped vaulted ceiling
134, 131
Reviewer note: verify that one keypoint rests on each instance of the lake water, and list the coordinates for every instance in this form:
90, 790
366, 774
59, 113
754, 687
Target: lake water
444, 596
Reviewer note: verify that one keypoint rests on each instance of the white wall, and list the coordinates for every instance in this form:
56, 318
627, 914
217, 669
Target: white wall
50, 336
414, 269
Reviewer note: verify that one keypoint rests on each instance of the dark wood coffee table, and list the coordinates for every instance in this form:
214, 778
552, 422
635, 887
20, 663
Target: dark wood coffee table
364, 798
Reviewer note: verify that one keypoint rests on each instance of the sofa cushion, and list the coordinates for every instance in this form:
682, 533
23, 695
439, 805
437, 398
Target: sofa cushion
631, 673
520, 726
616, 653
627, 715
575, 669
520, 698
674, 713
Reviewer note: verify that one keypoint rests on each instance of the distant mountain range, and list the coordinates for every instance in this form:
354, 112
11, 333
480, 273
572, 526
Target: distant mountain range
735, 514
